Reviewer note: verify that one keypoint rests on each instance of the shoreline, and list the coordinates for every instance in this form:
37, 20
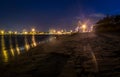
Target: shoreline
65, 56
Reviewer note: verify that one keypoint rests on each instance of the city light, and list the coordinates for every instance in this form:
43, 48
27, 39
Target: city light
71, 31
2, 31
59, 32
83, 28
33, 30
54, 31
9, 32
25, 32
15, 32
62, 30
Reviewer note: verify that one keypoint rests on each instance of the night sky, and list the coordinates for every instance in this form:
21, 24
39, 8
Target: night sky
58, 14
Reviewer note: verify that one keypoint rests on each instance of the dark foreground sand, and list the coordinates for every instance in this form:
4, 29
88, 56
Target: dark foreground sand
77, 55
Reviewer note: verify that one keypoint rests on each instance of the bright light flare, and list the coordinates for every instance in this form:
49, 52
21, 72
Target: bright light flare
84, 27
25, 32
15, 32
33, 30
2, 32
59, 32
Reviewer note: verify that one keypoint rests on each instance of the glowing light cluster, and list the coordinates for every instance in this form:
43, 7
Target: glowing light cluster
84, 28
9, 32
15, 32
26, 32
59, 32
33, 30
2, 32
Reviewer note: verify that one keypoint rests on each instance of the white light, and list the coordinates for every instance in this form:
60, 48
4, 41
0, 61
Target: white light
84, 26
15, 32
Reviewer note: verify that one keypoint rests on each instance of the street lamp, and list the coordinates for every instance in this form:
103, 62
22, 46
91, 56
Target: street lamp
84, 27
33, 31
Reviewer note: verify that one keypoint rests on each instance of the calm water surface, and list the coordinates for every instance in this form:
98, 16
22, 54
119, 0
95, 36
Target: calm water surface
14, 45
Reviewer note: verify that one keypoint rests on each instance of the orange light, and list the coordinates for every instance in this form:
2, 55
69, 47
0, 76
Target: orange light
15, 32
84, 28
59, 32
25, 32
33, 29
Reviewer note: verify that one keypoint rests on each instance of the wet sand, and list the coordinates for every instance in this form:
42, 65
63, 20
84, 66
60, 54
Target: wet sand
76, 55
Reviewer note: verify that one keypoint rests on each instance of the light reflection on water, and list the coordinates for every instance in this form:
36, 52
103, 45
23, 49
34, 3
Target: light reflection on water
33, 41
17, 47
27, 46
4, 52
13, 45
13, 48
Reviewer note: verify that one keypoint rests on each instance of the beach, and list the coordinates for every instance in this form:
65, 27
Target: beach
75, 55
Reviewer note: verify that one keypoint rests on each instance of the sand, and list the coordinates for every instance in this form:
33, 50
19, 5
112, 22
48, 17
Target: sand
76, 55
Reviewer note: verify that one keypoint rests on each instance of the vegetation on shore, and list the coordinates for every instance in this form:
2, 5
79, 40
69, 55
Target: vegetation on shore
108, 24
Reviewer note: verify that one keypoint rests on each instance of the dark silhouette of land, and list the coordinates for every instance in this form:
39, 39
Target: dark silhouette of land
108, 24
